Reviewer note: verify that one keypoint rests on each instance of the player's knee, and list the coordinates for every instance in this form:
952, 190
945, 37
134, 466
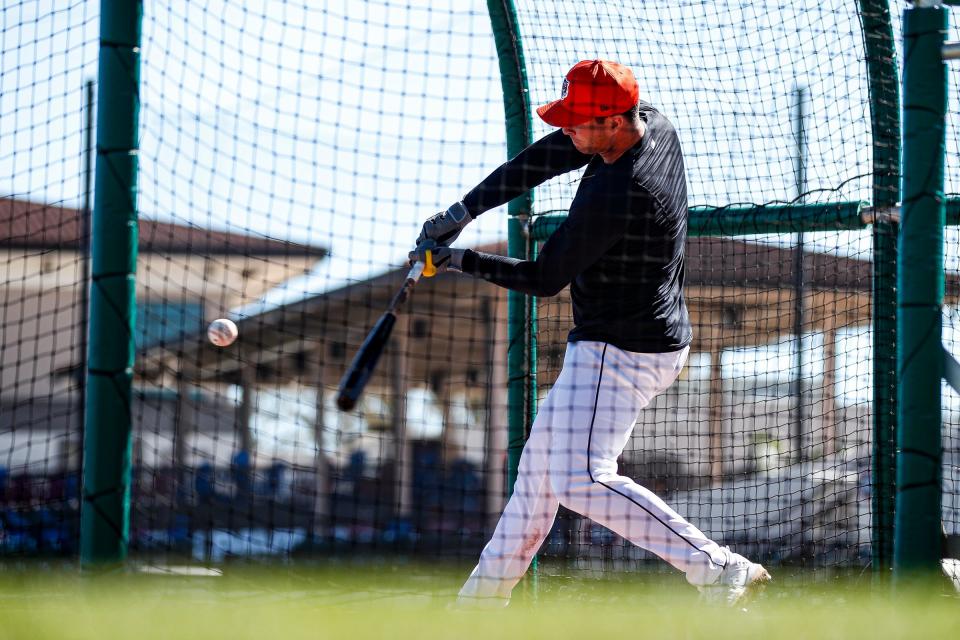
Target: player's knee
569, 485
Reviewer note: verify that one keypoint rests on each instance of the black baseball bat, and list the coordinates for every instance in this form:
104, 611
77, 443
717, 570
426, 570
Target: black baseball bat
360, 370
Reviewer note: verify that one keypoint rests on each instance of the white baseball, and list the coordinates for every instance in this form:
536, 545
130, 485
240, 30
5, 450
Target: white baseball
222, 332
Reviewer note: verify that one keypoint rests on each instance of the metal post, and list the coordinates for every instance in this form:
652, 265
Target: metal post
105, 512
800, 181
715, 437
495, 441
920, 291
828, 407
516, 102
801, 184
884, 84
402, 446
321, 499
84, 246
521, 396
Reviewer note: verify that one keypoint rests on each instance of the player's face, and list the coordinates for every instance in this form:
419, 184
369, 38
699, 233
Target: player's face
591, 137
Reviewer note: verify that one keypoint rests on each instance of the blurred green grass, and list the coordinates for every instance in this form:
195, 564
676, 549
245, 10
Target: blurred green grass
365, 602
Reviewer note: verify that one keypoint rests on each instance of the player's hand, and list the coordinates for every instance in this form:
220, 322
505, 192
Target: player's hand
444, 227
444, 258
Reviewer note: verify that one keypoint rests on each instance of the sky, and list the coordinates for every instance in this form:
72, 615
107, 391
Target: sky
345, 124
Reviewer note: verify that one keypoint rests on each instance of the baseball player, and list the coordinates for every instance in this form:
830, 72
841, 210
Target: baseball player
621, 250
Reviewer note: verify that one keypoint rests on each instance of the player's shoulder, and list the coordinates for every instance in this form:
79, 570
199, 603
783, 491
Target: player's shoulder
655, 120
658, 165
646, 108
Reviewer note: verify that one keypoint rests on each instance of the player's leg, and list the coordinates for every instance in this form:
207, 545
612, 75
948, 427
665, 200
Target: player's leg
524, 524
607, 392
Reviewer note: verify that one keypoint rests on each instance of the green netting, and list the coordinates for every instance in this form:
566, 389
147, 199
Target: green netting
288, 155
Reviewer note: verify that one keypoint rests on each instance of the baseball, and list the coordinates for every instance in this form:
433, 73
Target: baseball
222, 332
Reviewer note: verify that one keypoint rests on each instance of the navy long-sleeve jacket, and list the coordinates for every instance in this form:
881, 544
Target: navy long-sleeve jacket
621, 248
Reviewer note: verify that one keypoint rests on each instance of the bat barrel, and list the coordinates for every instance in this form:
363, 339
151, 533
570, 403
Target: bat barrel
357, 376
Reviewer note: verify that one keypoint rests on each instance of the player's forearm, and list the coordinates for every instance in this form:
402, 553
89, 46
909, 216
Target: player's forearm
576, 244
546, 158
526, 276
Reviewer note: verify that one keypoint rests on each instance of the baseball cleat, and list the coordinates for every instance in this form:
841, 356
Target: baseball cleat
738, 583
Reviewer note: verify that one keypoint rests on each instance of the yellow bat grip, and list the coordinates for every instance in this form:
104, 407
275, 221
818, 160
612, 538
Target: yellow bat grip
428, 269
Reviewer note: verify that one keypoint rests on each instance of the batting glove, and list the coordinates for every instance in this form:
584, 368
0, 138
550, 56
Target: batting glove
444, 227
444, 258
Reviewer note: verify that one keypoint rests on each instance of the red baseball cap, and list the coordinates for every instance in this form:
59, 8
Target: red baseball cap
592, 89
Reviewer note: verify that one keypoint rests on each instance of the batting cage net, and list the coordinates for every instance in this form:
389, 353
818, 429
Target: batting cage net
288, 156
764, 441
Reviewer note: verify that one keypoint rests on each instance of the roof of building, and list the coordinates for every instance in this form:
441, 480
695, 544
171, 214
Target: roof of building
717, 261
289, 329
31, 225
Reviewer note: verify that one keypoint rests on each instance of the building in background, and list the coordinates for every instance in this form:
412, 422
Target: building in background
186, 276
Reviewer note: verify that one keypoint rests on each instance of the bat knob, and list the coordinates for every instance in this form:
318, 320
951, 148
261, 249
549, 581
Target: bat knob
346, 403
428, 269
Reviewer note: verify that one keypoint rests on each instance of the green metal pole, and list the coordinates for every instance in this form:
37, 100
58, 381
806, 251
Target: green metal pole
105, 512
739, 220
521, 309
884, 85
517, 112
920, 291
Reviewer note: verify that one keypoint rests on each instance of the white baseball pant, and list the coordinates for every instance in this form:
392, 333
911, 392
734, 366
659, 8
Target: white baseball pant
570, 458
